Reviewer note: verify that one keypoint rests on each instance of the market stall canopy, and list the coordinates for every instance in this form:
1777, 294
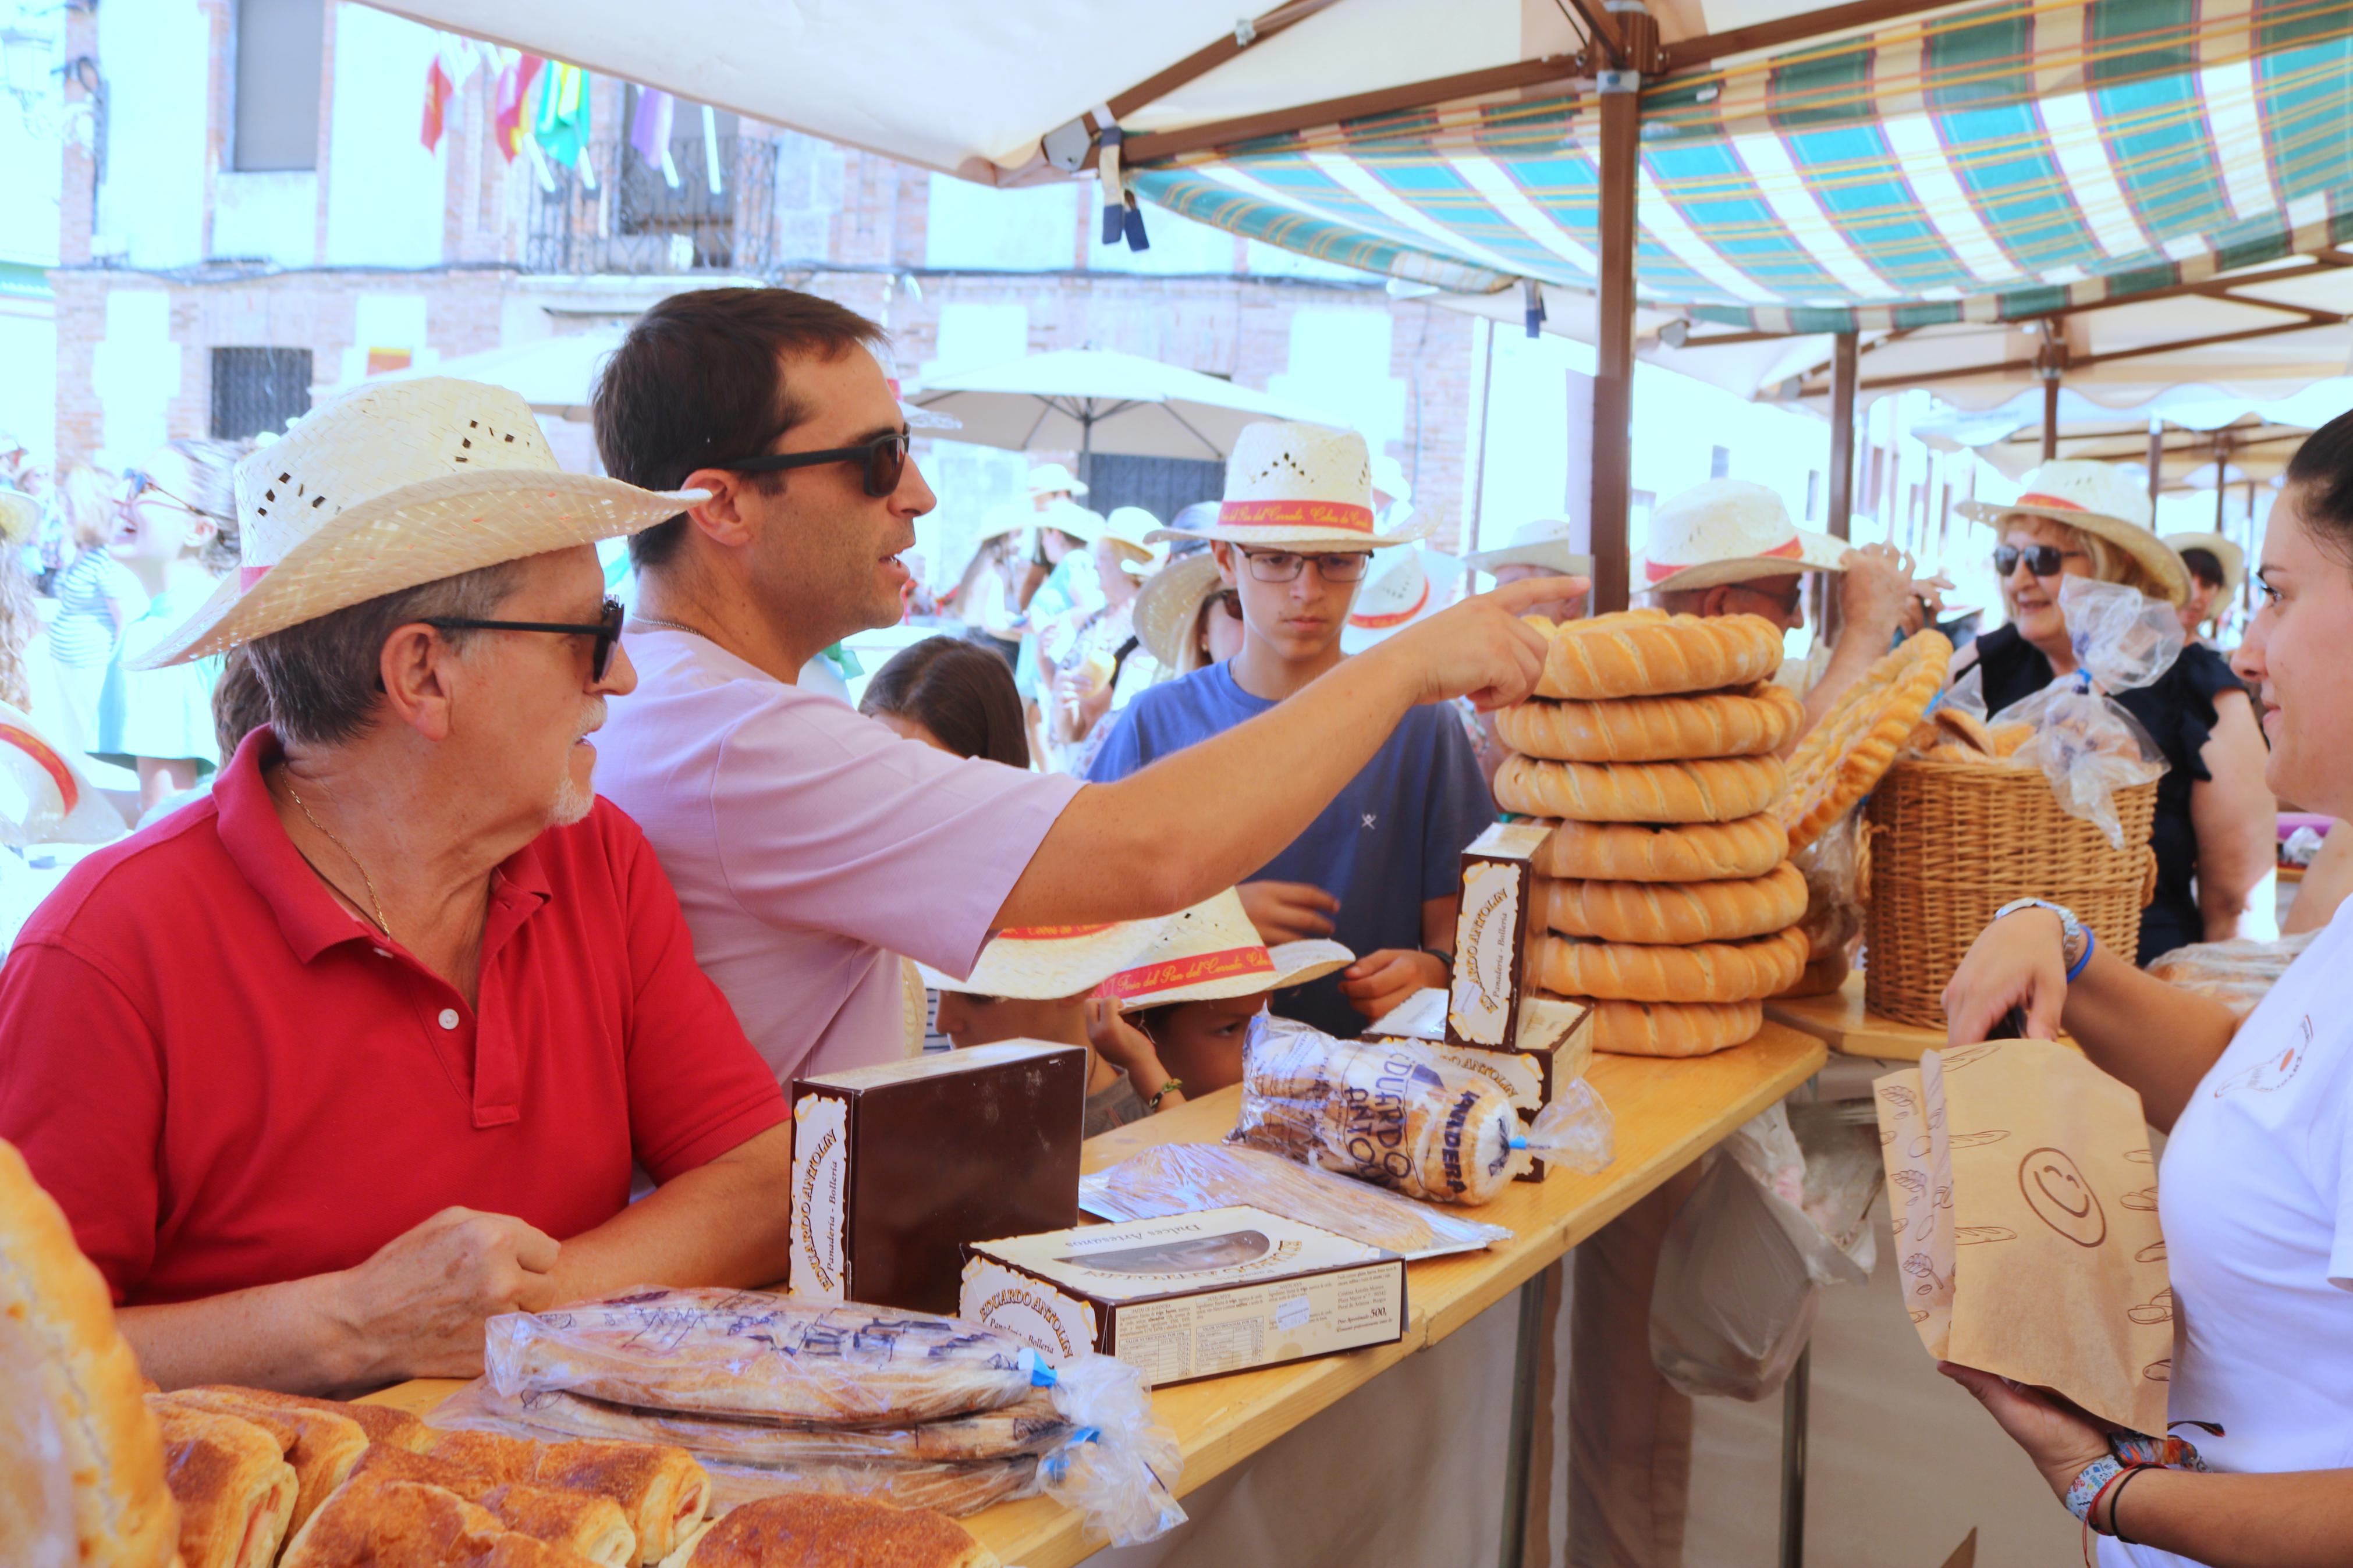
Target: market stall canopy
2257, 437
1092, 400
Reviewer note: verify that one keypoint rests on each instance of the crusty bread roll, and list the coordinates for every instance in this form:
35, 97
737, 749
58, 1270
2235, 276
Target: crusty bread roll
1649, 653
124, 1511
1843, 757
662, 1490
1716, 790
1674, 911
322, 1445
1674, 1028
382, 1422
817, 1530
1643, 852
1746, 722
376, 1522
585, 1522
1704, 972
235, 1488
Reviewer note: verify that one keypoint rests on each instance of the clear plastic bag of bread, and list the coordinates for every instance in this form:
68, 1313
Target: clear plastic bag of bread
2238, 974
1832, 866
2084, 740
1398, 1115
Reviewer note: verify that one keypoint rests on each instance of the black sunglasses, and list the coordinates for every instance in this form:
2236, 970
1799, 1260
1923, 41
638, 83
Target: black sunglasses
2042, 559
885, 459
607, 632
137, 482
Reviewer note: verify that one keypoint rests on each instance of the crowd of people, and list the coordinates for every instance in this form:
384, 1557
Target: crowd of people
519, 901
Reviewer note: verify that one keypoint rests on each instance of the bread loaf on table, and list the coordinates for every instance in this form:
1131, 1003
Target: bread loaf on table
382, 1422
1749, 721
376, 1522
592, 1525
122, 1509
1674, 911
1674, 1028
1649, 653
1650, 852
1704, 972
322, 1445
235, 1488
815, 1530
1717, 790
662, 1489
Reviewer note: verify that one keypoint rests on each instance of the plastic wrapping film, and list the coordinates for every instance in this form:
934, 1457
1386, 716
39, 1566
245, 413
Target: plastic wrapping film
1396, 1114
2237, 974
2084, 741
782, 1370
1185, 1178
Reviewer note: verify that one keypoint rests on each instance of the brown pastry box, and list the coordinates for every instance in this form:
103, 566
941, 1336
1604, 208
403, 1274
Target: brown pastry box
897, 1166
1485, 1007
1188, 1295
1558, 1046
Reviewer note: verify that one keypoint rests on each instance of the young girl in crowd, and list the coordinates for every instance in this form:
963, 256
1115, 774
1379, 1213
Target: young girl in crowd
951, 694
96, 597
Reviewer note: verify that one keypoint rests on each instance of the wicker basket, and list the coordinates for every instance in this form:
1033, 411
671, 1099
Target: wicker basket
1949, 843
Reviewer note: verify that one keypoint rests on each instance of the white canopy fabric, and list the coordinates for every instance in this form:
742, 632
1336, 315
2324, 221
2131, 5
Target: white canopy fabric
1076, 400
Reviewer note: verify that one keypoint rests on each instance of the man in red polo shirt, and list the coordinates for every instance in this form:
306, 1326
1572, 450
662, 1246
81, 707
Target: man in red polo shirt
330, 1068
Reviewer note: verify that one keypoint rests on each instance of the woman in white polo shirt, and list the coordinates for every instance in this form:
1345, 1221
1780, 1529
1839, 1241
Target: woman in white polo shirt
2256, 1188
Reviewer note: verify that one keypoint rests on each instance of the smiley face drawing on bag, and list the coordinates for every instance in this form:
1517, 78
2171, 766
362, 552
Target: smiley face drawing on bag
2061, 1197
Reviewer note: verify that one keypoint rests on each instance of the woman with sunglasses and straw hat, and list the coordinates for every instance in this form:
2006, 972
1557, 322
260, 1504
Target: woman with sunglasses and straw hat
2214, 834
362, 1050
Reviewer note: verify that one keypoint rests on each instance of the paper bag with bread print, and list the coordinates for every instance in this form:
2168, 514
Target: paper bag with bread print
2024, 1208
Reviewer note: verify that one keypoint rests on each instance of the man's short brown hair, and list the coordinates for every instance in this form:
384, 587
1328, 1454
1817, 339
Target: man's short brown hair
697, 379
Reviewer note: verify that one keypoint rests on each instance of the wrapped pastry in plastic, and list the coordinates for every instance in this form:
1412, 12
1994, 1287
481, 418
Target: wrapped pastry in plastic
1185, 1178
2237, 974
2084, 741
1398, 1115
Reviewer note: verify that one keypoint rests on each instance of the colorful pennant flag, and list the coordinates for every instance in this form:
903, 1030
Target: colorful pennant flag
514, 112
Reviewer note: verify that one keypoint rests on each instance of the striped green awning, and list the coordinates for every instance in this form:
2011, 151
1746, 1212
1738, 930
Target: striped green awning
1989, 164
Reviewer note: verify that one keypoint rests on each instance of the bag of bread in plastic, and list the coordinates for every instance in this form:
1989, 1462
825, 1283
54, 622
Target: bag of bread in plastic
2238, 974
1395, 1113
2085, 742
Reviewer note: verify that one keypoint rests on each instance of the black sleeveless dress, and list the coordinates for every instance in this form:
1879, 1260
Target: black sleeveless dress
2178, 711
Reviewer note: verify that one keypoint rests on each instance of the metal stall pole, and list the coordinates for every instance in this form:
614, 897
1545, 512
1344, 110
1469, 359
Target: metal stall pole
1613, 350
2156, 462
1794, 1415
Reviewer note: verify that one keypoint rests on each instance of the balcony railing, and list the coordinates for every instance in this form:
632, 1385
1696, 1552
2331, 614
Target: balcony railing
635, 221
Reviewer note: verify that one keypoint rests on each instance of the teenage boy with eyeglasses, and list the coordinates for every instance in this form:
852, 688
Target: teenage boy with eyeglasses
809, 844
1379, 869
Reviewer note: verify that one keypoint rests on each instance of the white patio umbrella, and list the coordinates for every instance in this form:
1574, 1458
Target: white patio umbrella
1092, 400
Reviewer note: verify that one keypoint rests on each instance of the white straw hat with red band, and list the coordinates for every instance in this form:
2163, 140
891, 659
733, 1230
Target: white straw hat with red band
44, 795
1211, 951
1728, 530
2099, 498
393, 485
1045, 962
1548, 541
1305, 488
1405, 586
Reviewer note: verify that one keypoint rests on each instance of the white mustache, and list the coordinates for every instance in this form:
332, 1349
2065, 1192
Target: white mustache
593, 719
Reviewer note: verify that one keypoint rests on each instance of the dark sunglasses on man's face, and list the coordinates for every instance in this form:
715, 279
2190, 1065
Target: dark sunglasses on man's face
607, 632
2042, 559
884, 458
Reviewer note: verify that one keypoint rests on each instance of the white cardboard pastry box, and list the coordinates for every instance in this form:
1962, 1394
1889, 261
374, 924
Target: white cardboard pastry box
1188, 1295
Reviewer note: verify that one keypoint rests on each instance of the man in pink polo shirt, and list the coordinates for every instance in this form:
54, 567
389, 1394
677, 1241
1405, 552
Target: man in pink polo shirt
809, 844
329, 1068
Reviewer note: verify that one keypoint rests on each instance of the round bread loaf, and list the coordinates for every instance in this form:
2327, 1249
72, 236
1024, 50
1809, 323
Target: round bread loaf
1704, 972
1678, 913
1716, 790
123, 1508
1674, 1028
1748, 722
1641, 852
1649, 653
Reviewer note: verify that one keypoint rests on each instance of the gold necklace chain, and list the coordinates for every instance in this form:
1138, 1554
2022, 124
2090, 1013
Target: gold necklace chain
383, 924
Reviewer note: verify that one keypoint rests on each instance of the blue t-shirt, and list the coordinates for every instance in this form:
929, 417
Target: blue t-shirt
1390, 840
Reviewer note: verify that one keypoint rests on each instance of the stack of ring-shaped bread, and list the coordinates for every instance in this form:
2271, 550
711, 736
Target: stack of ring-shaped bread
1666, 896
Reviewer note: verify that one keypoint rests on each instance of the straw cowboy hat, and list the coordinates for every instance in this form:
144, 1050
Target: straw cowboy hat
1212, 950
1081, 523
1135, 528
2099, 498
2224, 549
1044, 962
20, 514
1048, 477
1546, 541
391, 486
45, 796
1409, 585
1729, 531
1302, 488
1168, 606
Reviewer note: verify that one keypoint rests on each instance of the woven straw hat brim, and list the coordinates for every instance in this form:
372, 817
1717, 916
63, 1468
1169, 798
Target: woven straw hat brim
416, 534
1047, 968
1295, 963
1169, 603
2225, 551
1302, 539
1552, 552
2135, 540
1816, 553
19, 515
